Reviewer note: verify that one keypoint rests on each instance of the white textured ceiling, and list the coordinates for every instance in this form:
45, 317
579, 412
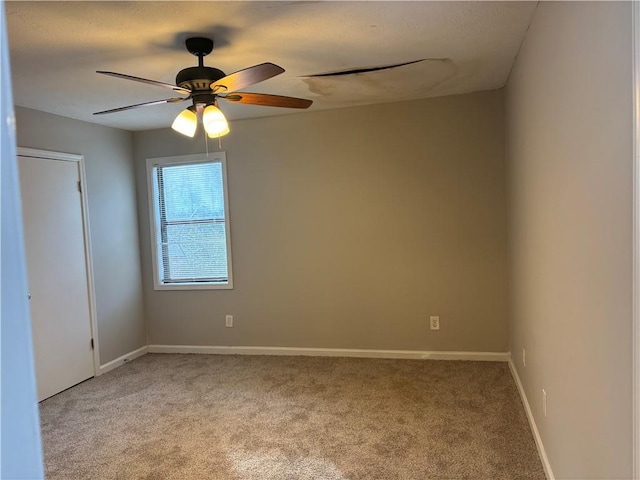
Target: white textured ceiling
56, 47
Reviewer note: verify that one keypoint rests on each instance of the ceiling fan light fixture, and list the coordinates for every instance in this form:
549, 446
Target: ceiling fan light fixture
214, 122
186, 122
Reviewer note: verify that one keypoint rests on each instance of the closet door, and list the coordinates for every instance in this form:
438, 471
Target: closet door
56, 272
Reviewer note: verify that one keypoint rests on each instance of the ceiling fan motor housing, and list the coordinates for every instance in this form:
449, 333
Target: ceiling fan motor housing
198, 78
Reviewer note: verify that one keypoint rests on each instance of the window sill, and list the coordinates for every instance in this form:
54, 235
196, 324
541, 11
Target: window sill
194, 286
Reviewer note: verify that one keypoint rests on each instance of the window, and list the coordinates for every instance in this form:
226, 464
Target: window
189, 222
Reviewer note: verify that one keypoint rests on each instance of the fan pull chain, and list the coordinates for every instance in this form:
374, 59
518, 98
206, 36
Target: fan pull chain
206, 143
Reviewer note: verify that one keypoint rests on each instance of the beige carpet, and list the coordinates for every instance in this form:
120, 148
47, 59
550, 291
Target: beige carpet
261, 417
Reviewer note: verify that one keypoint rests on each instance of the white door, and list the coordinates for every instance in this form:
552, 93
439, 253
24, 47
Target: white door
56, 272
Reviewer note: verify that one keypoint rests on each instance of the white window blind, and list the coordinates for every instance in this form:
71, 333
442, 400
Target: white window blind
191, 224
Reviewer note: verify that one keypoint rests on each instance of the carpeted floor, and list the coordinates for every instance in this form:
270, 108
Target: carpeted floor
263, 417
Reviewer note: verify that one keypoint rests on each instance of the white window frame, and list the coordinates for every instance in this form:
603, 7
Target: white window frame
215, 157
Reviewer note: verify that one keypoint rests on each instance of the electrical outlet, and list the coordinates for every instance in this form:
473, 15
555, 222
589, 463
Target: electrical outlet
524, 357
228, 321
434, 323
544, 403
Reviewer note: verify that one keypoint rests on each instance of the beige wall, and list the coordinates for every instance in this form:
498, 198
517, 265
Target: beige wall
350, 227
112, 216
569, 120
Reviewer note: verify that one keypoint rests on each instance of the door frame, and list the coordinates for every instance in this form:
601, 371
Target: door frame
88, 256
636, 239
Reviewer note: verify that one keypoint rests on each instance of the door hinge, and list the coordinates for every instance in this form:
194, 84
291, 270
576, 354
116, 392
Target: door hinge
79, 186
92, 347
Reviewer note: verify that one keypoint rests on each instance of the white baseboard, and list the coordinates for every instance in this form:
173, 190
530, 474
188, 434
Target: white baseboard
301, 351
532, 422
107, 367
332, 352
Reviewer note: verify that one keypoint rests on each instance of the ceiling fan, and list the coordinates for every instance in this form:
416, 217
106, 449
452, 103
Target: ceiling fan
205, 85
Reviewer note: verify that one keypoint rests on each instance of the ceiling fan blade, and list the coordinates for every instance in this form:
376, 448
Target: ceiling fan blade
175, 88
146, 104
267, 100
245, 77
